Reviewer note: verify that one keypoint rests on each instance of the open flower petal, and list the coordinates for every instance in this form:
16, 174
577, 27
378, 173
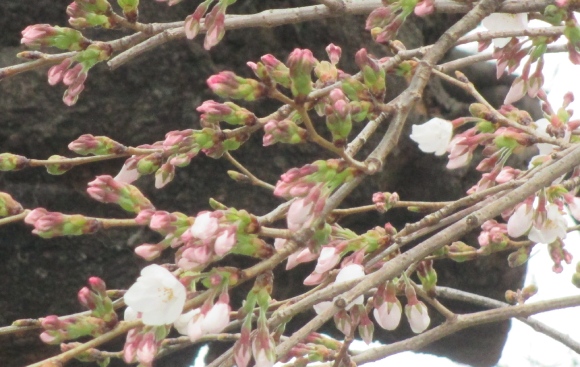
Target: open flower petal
433, 136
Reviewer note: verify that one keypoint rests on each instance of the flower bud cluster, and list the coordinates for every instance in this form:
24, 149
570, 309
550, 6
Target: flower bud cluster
385, 200
45, 35
57, 330
96, 145
170, 225
226, 84
300, 63
283, 131
338, 117
90, 13
213, 113
261, 345
52, 224
493, 237
271, 71
373, 74
311, 185
215, 234
214, 21
142, 344
384, 22
106, 190
75, 76
95, 298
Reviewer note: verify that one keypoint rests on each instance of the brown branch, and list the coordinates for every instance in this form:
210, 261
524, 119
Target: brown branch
540, 327
463, 322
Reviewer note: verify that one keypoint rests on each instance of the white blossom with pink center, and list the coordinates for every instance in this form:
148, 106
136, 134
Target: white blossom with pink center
541, 226
157, 295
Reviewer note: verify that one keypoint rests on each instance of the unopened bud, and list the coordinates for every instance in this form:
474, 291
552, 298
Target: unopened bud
58, 168
12, 162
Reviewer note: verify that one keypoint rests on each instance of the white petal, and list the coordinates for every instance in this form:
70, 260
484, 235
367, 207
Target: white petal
322, 306
388, 319
499, 22
521, 221
433, 136
350, 272
182, 321
130, 314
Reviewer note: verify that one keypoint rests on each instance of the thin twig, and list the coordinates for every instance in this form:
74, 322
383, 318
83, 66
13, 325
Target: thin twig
253, 179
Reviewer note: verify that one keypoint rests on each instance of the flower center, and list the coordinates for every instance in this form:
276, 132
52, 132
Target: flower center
166, 294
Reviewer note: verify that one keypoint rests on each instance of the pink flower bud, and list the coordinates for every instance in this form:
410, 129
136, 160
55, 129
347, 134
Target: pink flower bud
205, 225
225, 241
144, 217
161, 221
147, 349
148, 251
334, 53
215, 26
35, 215
424, 8
98, 286
56, 73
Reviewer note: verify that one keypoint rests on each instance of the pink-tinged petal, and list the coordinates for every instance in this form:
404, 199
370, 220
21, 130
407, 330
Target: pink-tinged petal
517, 91
553, 227
216, 320
299, 213
521, 221
182, 322
314, 279
418, 317
327, 260
574, 207
194, 329
388, 315
205, 226
225, 242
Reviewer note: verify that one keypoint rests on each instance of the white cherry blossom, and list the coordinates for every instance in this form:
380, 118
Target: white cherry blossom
349, 272
433, 136
550, 227
157, 295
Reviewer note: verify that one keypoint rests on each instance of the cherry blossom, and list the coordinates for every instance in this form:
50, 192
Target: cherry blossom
501, 22
433, 136
542, 225
157, 295
349, 272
